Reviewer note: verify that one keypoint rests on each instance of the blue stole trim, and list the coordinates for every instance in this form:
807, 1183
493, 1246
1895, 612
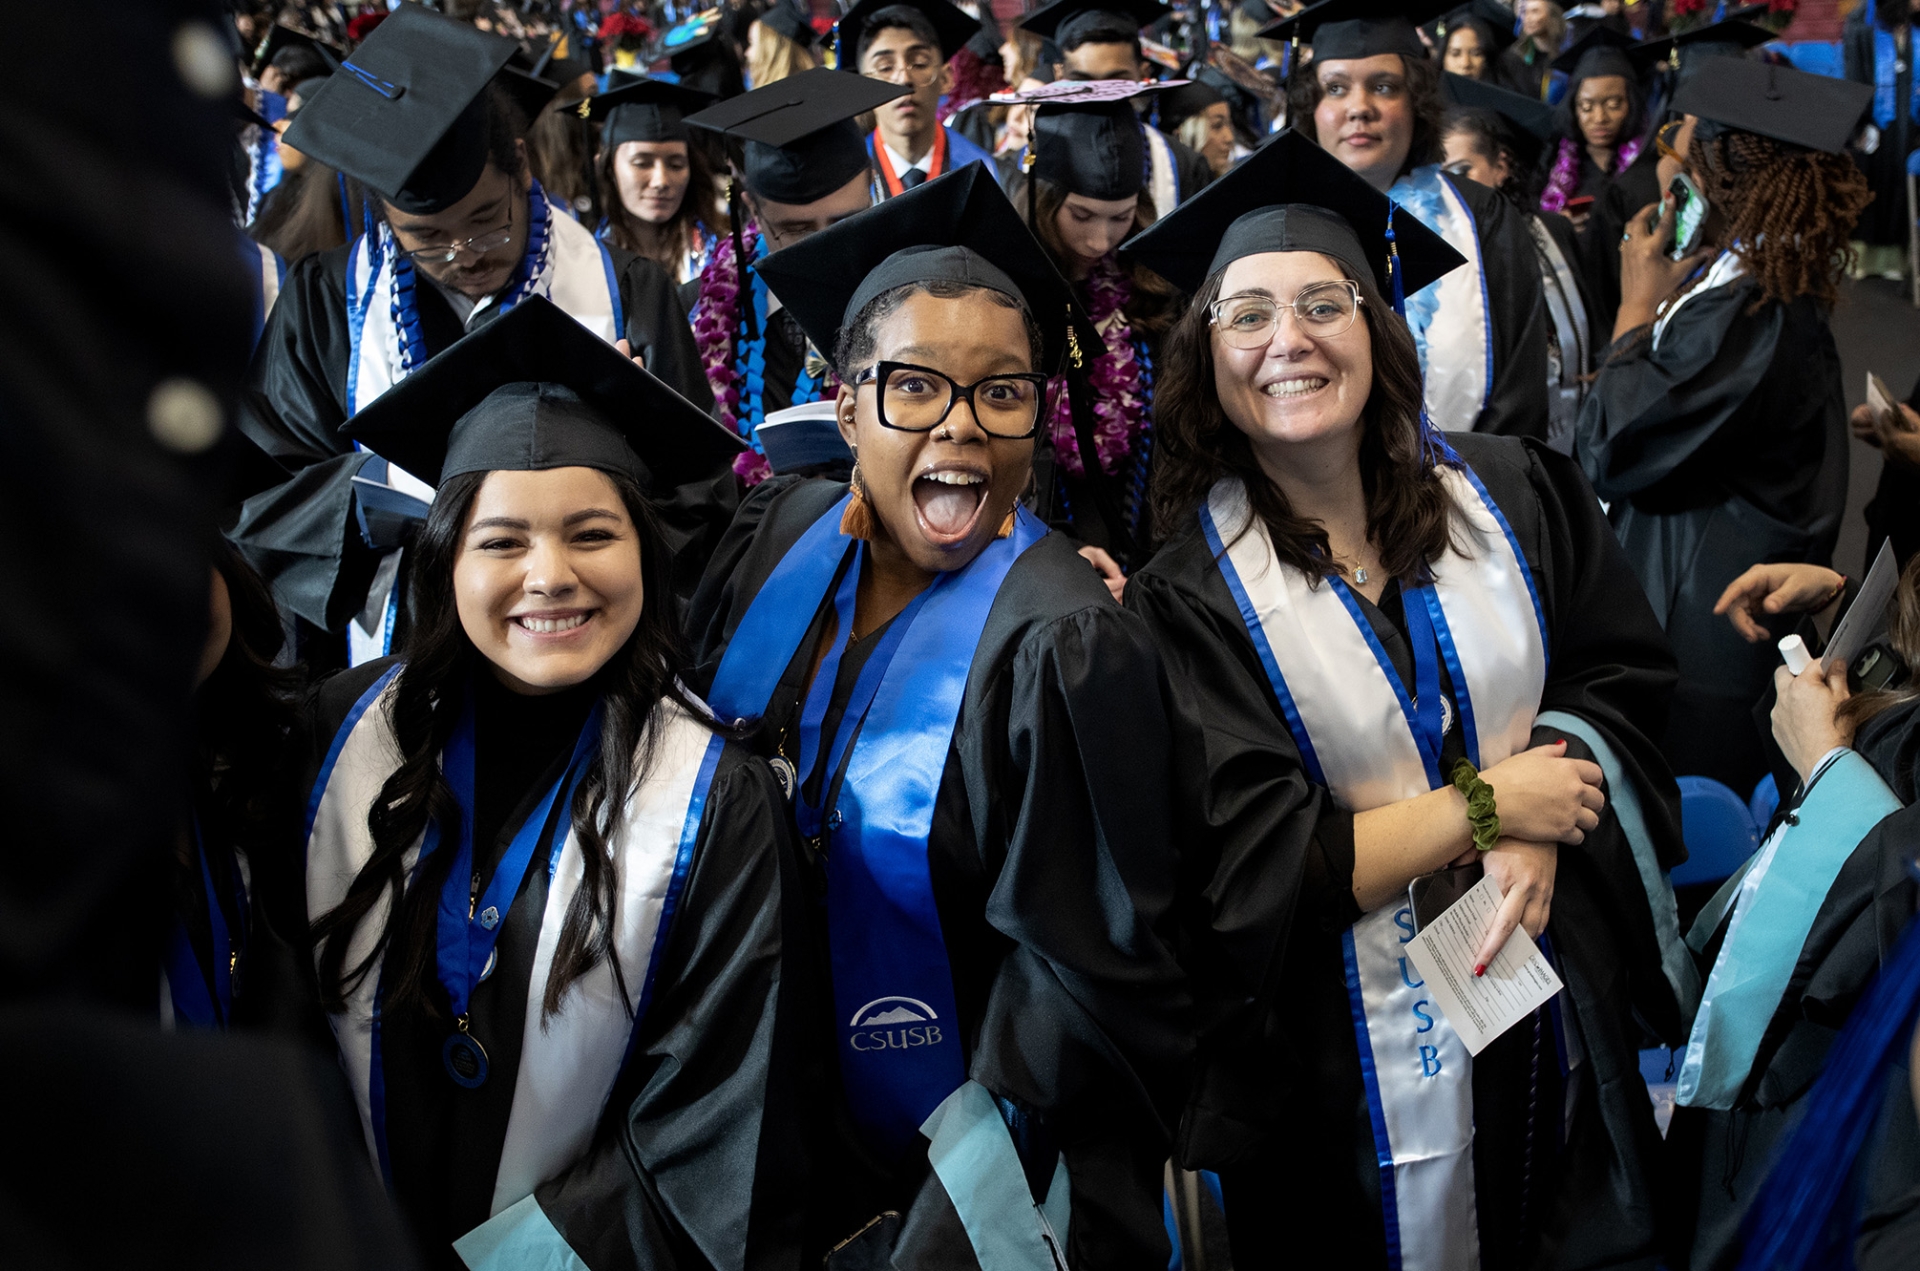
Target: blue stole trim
1426, 732
187, 982
346, 728
1885, 77
1526, 566
1250, 617
973, 1155
519, 1238
1376, 1109
1776, 907
1434, 621
1486, 306
613, 291
961, 152
892, 982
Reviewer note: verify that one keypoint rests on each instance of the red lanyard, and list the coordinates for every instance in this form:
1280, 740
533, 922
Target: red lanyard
885, 160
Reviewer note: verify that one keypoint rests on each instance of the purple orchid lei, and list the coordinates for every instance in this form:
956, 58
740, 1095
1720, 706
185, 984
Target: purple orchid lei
1565, 178
1119, 395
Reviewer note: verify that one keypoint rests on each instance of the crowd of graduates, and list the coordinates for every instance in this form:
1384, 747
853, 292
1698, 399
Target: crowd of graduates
956, 589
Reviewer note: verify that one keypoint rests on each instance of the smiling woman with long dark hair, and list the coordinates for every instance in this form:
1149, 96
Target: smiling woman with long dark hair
1356, 613
975, 744
546, 897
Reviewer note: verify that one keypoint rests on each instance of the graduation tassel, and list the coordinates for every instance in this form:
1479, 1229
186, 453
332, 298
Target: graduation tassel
1026, 170
586, 146
1394, 288
740, 258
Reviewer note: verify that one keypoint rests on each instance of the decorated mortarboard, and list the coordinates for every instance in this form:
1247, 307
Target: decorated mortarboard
1341, 30
1062, 20
534, 390
783, 17
951, 24
529, 92
1725, 38
1292, 196
954, 228
692, 35
801, 144
1530, 120
280, 38
406, 114
644, 109
1601, 51
1818, 112
1086, 137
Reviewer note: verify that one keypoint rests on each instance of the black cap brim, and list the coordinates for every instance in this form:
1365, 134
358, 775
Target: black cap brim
645, 110
1340, 30
283, 37
1742, 35
380, 119
1206, 232
1531, 120
784, 18
1046, 22
529, 92
818, 278
1818, 112
784, 112
413, 423
1600, 37
952, 26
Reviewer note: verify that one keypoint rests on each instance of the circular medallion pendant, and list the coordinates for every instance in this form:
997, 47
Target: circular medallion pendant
783, 771
466, 1060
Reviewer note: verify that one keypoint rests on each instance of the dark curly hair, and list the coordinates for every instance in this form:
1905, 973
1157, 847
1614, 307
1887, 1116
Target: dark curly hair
1790, 210
1409, 513
424, 707
1422, 79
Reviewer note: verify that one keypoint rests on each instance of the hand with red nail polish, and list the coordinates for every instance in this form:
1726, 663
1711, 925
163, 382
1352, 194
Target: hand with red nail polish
1524, 873
1480, 970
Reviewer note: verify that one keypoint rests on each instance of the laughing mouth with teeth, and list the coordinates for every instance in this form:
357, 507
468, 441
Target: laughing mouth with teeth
1295, 387
949, 501
536, 625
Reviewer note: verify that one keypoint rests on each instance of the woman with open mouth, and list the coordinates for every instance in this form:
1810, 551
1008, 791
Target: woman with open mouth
974, 742
1357, 612
550, 903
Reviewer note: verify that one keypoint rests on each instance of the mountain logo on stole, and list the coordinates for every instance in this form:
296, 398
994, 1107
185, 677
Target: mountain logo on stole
894, 1023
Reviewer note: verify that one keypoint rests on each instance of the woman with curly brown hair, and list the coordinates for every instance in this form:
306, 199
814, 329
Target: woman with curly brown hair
1716, 428
1355, 612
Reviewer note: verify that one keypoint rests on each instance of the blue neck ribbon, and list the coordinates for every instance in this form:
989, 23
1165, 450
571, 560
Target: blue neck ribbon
470, 926
898, 1036
200, 1001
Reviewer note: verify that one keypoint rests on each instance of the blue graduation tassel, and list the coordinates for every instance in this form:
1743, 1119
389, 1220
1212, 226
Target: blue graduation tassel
1394, 288
1805, 1213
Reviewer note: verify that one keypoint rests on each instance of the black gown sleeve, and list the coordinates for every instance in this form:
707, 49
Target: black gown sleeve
1517, 399
658, 329
301, 535
1262, 846
699, 1163
1651, 409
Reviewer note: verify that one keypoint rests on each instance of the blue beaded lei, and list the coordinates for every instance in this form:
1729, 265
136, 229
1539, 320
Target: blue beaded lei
750, 361
526, 275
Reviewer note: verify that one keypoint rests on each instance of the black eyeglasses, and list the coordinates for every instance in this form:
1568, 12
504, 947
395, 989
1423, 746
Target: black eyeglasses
919, 399
480, 244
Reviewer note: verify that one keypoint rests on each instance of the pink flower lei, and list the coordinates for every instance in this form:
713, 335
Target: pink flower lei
1119, 393
1565, 178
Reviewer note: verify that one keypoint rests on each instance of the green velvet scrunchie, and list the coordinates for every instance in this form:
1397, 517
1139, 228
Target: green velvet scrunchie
1482, 814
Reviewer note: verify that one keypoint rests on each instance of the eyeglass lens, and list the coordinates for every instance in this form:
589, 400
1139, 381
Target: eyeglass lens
1246, 322
916, 400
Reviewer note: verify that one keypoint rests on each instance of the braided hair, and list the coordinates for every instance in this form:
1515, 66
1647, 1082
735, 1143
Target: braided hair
1789, 211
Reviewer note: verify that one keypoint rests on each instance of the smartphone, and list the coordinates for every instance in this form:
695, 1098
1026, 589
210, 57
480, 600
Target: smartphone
1580, 206
1689, 216
1431, 895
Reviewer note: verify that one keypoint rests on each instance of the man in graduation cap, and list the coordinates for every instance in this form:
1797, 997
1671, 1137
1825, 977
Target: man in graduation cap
1371, 97
804, 167
1102, 41
910, 42
463, 234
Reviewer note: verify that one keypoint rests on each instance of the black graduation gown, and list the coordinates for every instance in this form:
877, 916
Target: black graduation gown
1052, 868
1883, 221
1517, 399
1724, 448
1076, 501
696, 1161
1513, 70
1894, 511
1629, 191
1721, 1157
302, 535
1279, 1106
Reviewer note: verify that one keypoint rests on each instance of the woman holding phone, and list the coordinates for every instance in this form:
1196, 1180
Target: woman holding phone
1716, 428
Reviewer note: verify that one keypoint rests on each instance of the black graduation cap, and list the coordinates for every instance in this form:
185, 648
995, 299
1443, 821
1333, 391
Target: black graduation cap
563, 61
280, 38
952, 26
801, 142
1063, 19
1600, 51
406, 113
1819, 112
530, 92
644, 110
1340, 30
1720, 38
1180, 104
958, 227
1528, 119
1291, 196
691, 36
1086, 136
534, 389
985, 43
1492, 19
785, 18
